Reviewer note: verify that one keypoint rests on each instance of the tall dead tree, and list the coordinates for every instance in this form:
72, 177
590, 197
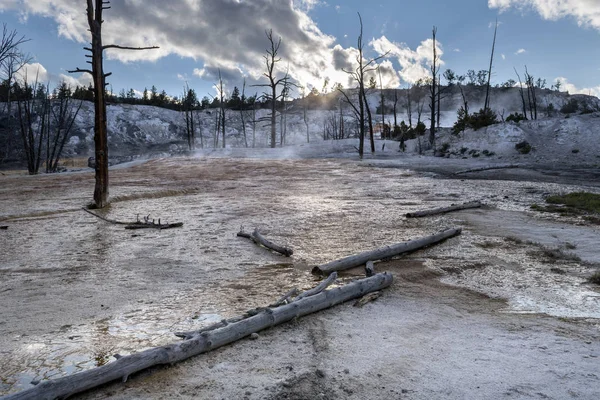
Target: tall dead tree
434, 82
358, 74
11, 62
522, 94
243, 113
222, 105
94, 17
271, 59
487, 92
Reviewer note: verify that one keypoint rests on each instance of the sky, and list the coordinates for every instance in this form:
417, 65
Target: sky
555, 39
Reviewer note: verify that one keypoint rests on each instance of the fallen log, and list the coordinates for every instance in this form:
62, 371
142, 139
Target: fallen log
142, 225
488, 168
4, 227
443, 210
259, 239
124, 366
384, 252
146, 224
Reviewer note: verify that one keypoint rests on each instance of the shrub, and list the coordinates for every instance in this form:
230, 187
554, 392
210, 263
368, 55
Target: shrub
571, 107
523, 147
481, 119
595, 278
516, 117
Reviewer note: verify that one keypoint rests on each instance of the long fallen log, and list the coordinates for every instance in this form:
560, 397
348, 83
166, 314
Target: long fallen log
384, 252
443, 210
124, 366
488, 168
259, 239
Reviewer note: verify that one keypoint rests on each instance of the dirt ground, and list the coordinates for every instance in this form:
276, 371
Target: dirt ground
489, 314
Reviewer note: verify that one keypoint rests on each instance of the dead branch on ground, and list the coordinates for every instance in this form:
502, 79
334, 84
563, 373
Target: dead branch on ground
260, 240
443, 210
147, 223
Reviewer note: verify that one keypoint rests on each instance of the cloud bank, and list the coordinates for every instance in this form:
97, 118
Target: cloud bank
585, 12
223, 34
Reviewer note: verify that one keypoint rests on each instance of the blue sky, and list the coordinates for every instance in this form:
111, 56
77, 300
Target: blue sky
554, 38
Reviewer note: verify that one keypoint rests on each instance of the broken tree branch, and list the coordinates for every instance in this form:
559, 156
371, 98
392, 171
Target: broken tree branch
146, 224
487, 168
259, 239
124, 366
443, 210
384, 252
369, 268
319, 288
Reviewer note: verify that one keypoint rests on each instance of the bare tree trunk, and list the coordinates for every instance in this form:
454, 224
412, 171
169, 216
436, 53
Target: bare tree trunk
434, 73
94, 18
370, 120
242, 112
487, 92
522, 94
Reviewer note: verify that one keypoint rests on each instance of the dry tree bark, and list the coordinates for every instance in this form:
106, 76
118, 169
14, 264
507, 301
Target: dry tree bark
384, 252
200, 343
443, 210
259, 239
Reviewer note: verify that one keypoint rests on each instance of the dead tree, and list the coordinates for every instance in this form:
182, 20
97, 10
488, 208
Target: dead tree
271, 59
358, 74
434, 78
531, 95
243, 113
188, 104
63, 117
33, 124
11, 62
94, 17
487, 92
221, 106
522, 94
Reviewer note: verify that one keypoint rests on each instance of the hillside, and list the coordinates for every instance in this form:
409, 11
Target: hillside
138, 130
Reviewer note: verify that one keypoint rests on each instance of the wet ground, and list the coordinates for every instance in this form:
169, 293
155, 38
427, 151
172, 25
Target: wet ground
75, 289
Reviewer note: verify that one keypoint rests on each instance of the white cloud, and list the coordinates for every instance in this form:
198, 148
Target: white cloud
520, 51
414, 64
32, 73
566, 86
234, 42
37, 72
456, 50
585, 12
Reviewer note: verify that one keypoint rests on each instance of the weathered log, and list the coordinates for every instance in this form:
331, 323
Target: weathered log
4, 227
259, 239
369, 268
487, 168
142, 225
124, 366
146, 224
384, 252
443, 210
319, 288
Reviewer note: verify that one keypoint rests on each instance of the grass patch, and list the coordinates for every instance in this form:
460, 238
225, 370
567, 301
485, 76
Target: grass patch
583, 201
583, 204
